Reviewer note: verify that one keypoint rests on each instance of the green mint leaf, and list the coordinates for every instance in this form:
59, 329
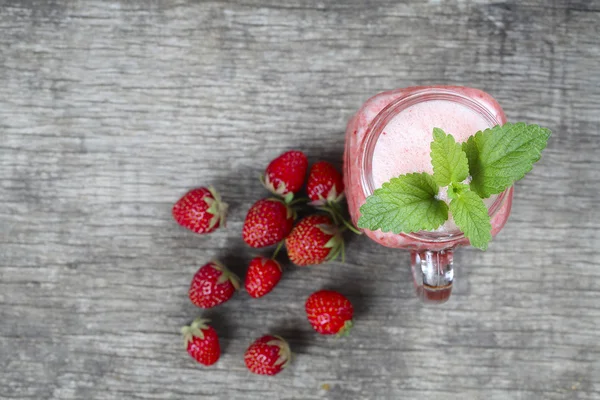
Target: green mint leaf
456, 189
502, 155
471, 216
448, 159
404, 204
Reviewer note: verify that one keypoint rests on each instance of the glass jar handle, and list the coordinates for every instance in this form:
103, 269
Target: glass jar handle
433, 274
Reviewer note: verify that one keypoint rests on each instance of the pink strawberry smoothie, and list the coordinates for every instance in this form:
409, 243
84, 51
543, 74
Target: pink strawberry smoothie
408, 136
391, 135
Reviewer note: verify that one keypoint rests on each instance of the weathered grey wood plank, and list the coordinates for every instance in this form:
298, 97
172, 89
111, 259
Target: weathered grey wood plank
111, 110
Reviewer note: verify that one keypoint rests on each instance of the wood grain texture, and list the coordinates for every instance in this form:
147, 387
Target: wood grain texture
109, 111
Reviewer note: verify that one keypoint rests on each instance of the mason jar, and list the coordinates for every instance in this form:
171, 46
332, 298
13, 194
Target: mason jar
388, 137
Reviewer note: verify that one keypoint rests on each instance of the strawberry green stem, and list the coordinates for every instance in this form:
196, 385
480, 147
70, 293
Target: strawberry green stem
288, 198
279, 191
352, 228
285, 353
335, 210
216, 207
277, 249
345, 331
194, 330
226, 275
299, 200
334, 215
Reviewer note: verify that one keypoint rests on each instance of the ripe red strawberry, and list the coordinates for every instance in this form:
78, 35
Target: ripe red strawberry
286, 173
268, 222
212, 285
329, 312
202, 342
263, 274
200, 210
325, 184
314, 240
268, 355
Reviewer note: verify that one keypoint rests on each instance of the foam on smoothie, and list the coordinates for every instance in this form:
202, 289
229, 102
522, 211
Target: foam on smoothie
404, 145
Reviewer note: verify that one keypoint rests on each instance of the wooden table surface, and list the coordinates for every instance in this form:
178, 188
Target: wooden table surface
109, 111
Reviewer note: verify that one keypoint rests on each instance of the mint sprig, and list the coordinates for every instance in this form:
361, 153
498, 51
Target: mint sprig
494, 159
471, 216
502, 155
405, 204
449, 161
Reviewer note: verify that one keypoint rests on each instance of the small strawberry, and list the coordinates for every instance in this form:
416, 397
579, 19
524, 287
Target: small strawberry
285, 175
314, 240
200, 210
329, 312
268, 355
263, 275
202, 342
326, 191
325, 184
212, 285
268, 222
